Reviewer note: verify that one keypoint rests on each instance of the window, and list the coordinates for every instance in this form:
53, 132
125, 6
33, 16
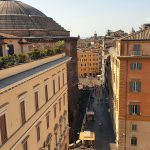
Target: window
134, 127
47, 120
23, 114
46, 92
135, 86
55, 111
63, 76
38, 133
10, 49
60, 105
49, 147
60, 130
64, 99
54, 87
134, 141
66, 147
134, 109
136, 66
1, 51
36, 100
25, 145
58, 82
3, 129
136, 50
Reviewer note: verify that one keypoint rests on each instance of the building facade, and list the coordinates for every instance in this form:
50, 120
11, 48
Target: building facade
34, 108
89, 62
36, 84
128, 89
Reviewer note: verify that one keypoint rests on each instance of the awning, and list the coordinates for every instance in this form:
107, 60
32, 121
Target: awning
90, 113
87, 136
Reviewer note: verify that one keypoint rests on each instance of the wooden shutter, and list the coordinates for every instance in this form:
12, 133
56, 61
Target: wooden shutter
3, 129
59, 82
36, 101
23, 118
132, 66
53, 87
131, 86
25, 145
139, 86
46, 93
47, 121
38, 132
130, 109
63, 78
139, 66
138, 109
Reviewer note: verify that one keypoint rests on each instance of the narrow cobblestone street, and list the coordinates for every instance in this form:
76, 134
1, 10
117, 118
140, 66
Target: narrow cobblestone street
105, 139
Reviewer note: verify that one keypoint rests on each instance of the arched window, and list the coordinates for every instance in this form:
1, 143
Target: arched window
133, 141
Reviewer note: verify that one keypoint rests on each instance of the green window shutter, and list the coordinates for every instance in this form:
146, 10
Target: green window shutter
138, 109
131, 86
132, 66
139, 66
130, 109
139, 86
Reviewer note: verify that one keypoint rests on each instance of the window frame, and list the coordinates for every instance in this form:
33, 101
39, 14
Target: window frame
6, 129
134, 109
38, 132
134, 141
135, 86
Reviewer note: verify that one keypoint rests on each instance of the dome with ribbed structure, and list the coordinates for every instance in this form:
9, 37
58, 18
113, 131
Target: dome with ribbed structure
20, 19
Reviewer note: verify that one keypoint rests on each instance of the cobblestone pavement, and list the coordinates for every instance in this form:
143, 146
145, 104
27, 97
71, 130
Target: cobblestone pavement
104, 135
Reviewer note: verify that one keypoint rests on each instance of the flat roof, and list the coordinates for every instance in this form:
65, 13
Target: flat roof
4, 83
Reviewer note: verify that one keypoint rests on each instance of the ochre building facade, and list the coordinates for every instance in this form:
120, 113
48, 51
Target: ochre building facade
89, 62
128, 83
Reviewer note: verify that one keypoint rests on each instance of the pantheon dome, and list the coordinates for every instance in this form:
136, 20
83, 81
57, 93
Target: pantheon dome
20, 19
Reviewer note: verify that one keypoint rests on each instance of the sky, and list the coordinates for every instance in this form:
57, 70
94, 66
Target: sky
84, 17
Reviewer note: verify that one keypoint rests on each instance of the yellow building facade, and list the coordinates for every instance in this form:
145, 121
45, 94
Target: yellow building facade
89, 62
34, 105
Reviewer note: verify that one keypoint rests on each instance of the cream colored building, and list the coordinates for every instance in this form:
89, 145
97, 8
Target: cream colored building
89, 62
34, 105
33, 91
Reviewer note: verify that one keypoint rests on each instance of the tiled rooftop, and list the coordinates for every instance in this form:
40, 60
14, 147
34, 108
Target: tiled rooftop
139, 35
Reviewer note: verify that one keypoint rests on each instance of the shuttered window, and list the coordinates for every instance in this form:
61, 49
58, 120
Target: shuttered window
58, 82
38, 133
54, 87
46, 92
134, 127
60, 105
55, 112
135, 86
136, 66
136, 50
134, 141
25, 145
63, 77
3, 129
36, 95
64, 99
23, 114
134, 109
47, 120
